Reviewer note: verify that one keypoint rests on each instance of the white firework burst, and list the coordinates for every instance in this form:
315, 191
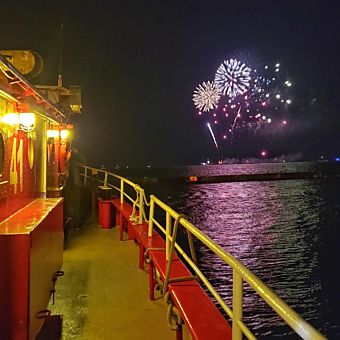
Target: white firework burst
233, 77
206, 96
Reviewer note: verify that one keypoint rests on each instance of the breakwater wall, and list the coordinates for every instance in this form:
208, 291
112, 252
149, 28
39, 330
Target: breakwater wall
236, 178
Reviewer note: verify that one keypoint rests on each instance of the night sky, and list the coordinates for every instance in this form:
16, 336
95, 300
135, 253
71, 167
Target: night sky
138, 64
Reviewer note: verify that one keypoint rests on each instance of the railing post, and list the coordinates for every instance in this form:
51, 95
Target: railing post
105, 179
141, 205
168, 232
152, 208
121, 191
237, 305
85, 175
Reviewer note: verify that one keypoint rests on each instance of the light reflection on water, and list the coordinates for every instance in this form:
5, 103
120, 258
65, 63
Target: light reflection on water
286, 232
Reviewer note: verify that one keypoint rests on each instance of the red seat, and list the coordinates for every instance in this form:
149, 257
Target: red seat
199, 313
201, 316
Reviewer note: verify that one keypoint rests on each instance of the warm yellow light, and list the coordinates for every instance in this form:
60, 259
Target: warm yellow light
64, 134
52, 133
27, 121
10, 118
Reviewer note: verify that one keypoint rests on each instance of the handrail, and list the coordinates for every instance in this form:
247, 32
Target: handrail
138, 202
240, 274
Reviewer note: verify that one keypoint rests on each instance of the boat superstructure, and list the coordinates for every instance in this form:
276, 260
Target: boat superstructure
34, 154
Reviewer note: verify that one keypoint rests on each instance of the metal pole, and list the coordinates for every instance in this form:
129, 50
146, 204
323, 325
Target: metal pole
152, 208
237, 305
141, 205
171, 252
168, 232
43, 158
121, 191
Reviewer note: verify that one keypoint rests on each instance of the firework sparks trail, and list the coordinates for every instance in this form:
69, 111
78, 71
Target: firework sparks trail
212, 135
206, 96
234, 124
262, 95
235, 119
233, 77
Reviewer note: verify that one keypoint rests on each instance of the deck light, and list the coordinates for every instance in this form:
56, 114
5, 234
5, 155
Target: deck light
24, 121
27, 121
52, 133
10, 119
64, 134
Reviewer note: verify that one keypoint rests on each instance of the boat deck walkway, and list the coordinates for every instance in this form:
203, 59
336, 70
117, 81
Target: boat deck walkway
103, 294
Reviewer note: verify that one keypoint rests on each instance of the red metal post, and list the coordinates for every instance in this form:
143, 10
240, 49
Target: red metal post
104, 213
141, 255
120, 226
130, 231
151, 282
179, 333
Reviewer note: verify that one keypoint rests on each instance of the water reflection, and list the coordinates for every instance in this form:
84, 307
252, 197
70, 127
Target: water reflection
286, 232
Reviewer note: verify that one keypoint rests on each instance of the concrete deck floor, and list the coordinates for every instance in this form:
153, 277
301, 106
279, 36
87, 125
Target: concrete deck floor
103, 294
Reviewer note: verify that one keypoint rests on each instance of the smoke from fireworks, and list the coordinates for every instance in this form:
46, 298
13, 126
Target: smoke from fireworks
206, 96
233, 77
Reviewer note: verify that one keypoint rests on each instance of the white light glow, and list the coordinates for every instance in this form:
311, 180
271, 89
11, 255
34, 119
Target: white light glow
10, 119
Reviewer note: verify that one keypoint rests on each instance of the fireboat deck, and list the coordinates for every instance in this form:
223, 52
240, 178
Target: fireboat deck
103, 294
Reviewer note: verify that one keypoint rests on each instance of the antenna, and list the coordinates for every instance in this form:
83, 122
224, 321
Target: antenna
60, 74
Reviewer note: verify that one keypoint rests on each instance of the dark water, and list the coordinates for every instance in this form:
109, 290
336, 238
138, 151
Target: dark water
286, 232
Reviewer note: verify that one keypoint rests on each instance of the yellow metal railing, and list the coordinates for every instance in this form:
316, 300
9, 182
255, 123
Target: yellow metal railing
240, 274
121, 185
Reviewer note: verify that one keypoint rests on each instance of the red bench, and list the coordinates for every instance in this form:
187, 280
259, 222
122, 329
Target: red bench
199, 313
124, 212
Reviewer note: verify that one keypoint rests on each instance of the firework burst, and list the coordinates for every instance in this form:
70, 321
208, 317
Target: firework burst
233, 77
244, 102
206, 96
